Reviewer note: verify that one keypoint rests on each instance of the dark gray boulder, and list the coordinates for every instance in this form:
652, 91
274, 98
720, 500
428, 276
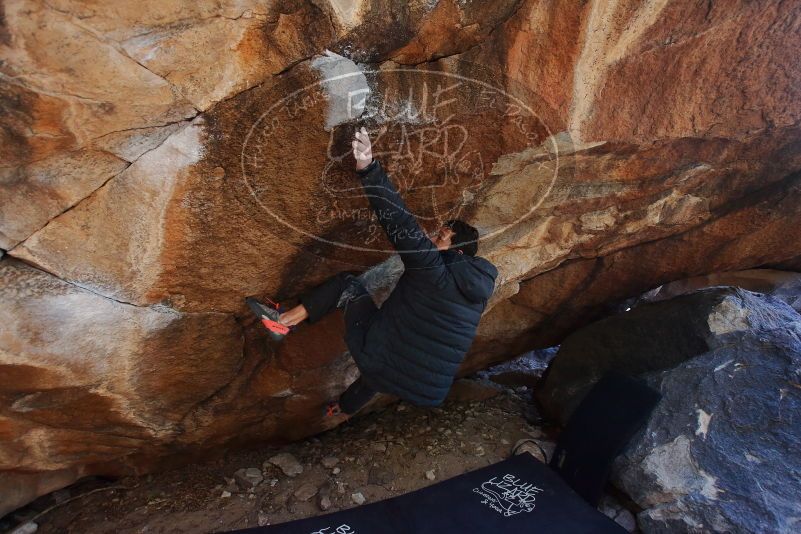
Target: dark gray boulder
722, 450
784, 285
654, 337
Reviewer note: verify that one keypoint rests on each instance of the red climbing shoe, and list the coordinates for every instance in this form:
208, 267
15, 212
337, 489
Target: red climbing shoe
333, 409
269, 318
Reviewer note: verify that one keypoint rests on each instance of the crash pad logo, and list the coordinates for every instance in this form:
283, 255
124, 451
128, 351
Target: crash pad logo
341, 529
438, 133
508, 495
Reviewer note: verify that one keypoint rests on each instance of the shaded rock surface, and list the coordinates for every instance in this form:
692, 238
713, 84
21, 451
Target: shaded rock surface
721, 451
654, 337
161, 161
525, 370
73, 361
785, 285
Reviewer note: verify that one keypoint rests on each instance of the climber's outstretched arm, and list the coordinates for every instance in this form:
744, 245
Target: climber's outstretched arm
414, 246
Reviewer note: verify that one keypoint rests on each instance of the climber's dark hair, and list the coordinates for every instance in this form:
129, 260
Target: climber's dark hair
465, 237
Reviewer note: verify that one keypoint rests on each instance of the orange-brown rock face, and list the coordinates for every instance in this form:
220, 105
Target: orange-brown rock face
162, 161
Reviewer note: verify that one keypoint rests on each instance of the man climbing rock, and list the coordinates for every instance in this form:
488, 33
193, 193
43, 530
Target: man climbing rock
412, 346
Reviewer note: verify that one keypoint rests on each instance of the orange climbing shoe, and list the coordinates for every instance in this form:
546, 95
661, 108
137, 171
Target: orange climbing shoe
333, 409
269, 318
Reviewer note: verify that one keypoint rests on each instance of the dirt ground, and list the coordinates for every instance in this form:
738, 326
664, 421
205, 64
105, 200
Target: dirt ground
387, 452
379, 455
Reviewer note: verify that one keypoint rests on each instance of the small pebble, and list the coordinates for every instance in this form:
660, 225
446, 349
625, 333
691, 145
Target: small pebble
305, 492
324, 503
330, 461
248, 478
430, 474
287, 463
225, 494
626, 520
357, 497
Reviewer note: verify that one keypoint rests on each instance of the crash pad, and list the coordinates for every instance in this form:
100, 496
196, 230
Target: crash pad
517, 495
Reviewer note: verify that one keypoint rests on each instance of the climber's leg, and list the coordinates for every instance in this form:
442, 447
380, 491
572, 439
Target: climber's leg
339, 291
294, 316
359, 311
335, 292
357, 395
353, 399
321, 300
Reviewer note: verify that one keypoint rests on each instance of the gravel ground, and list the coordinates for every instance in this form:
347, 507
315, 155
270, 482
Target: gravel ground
387, 452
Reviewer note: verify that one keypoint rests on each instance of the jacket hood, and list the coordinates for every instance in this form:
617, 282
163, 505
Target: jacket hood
475, 276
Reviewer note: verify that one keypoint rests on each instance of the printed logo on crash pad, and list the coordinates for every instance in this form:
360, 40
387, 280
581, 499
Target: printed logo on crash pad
341, 529
508, 495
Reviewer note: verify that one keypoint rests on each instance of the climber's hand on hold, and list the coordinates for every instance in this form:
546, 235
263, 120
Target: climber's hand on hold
362, 151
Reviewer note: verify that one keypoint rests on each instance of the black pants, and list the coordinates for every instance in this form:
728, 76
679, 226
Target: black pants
345, 290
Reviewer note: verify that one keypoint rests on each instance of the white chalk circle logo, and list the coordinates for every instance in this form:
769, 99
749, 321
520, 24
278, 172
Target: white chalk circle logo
508, 495
439, 135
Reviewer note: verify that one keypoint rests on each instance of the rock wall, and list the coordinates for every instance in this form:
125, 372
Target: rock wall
160, 161
720, 452
784, 285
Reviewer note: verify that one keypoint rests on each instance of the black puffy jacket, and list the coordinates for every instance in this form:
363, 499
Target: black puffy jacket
420, 335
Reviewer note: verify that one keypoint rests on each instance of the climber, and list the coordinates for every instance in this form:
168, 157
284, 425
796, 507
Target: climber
412, 346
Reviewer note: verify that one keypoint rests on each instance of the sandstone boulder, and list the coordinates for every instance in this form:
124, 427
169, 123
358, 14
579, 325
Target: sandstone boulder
161, 161
84, 376
36, 193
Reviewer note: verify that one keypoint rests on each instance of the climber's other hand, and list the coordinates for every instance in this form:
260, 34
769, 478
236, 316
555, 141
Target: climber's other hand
362, 150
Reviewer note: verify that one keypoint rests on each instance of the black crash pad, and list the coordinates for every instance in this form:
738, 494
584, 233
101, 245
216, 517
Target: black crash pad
517, 495
613, 411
